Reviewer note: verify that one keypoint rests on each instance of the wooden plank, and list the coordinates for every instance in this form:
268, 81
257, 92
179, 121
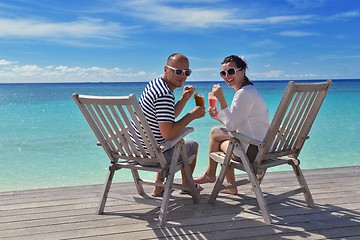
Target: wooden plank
69, 213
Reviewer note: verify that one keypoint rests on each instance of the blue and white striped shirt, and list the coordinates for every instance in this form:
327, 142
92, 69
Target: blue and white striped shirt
158, 104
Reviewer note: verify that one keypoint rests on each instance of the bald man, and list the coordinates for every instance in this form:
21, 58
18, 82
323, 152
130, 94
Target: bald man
158, 104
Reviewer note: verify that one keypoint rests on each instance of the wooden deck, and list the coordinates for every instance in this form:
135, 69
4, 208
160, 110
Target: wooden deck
69, 213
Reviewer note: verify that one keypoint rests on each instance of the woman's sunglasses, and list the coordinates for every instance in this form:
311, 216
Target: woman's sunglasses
179, 71
230, 72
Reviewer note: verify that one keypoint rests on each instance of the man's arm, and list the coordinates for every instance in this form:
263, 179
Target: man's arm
186, 95
169, 129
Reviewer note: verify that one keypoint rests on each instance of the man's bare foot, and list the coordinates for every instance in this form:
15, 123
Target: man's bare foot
198, 189
205, 179
232, 191
158, 192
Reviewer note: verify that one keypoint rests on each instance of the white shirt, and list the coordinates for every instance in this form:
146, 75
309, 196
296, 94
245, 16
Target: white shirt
248, 115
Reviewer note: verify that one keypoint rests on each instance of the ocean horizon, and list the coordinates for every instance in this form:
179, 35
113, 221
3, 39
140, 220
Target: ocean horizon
45, 141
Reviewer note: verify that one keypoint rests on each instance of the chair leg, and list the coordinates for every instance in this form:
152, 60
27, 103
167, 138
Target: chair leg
168, 185
255, 183
261, 176
136, 178
106, 190
165, 200
301, 179
260, 198
218, 184
222, 174
188, 174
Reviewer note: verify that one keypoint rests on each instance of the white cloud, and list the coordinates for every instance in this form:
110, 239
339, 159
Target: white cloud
6, 62
276, 20
273, 74
281, 74
180, 16
187, 16
340, 56
298, 34
304, 76
10, 73
344, 16
302, 4
71, 33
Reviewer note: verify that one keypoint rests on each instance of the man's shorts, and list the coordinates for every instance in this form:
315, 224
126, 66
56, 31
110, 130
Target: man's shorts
191, 150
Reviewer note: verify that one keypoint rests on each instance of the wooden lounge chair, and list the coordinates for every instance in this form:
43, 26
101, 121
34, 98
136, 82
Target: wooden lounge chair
282, 144
113, 121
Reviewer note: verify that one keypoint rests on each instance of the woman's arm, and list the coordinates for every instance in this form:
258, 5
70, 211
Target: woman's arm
233, 116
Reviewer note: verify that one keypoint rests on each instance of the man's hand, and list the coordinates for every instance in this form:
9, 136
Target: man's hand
169, 129
186, 95
198, 112
188, 92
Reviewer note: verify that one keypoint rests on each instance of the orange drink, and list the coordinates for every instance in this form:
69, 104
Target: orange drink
212, 100
199, 99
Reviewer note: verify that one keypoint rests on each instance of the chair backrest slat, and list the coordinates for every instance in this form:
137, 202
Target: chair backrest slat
108, 127
142, 130
293, 119
112, 120
296, 120
93, 115
120, 129
283, 133
301, 119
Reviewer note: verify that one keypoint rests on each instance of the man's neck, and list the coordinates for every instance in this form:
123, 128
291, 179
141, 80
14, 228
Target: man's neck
168, 83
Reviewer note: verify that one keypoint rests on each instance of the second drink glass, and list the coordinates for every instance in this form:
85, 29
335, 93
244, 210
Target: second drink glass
212, 100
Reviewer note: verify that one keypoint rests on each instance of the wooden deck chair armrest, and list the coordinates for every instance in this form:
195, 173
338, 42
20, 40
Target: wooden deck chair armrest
172, 142
246, 139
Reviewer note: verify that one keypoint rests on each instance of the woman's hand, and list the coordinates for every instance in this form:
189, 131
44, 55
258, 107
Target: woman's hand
213, 112
219, 94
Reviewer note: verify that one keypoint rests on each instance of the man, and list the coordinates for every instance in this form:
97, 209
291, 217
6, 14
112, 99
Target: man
158, 104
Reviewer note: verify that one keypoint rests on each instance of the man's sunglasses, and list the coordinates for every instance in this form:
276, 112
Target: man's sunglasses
230, 72
179, 71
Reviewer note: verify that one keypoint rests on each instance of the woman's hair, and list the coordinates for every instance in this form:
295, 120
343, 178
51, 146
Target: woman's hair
239, 63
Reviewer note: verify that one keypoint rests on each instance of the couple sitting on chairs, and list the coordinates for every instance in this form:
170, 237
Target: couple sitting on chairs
144, 135
247, 114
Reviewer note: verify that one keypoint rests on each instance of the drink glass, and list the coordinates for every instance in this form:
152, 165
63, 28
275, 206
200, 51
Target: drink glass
199, 99
212, 100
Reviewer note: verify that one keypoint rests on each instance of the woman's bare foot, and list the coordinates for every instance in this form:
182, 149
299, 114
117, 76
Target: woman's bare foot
205, 179
232, 191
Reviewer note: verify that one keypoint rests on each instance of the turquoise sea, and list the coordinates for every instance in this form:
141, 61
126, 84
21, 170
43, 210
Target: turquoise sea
46, 142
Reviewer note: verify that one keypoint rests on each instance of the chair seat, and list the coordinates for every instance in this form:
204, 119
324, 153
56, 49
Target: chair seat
219, 157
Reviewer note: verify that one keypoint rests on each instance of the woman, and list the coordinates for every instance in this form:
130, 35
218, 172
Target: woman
247, 114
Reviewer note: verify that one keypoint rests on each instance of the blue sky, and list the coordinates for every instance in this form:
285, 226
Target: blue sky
110, 40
